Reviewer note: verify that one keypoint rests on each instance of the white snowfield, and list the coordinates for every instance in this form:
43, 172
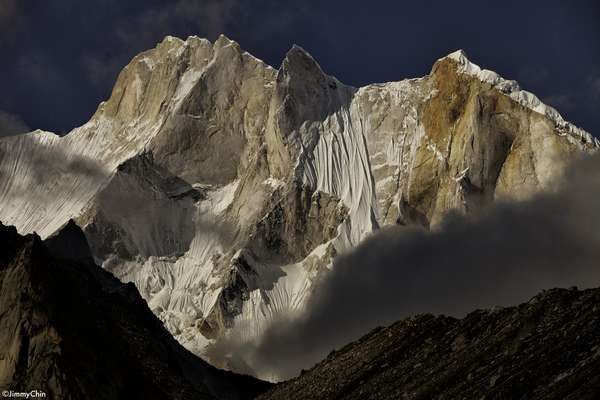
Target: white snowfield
199, 109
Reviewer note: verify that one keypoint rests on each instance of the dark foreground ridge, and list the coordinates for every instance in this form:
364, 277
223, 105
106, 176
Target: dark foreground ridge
548, 348
73, 331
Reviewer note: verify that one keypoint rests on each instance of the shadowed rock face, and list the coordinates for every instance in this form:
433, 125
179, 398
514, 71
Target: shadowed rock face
548, 348
296, 225
119, 222
73, 331
223, 188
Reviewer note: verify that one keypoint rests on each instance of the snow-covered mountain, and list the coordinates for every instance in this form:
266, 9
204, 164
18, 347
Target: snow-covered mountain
223, 187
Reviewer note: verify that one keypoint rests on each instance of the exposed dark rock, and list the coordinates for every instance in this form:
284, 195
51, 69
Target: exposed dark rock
69, 243
120, 218
547, 348
296, 225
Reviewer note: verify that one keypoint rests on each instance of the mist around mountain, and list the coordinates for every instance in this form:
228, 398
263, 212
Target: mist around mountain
498, 258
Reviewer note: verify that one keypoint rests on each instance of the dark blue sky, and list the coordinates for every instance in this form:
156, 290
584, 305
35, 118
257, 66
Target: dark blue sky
60, 58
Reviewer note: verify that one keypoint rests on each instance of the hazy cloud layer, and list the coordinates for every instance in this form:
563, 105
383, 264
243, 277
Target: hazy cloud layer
585, 96
46, 163
534, 74
144, 29
11, 124
506, 256
562, 102
593, 83
10, 12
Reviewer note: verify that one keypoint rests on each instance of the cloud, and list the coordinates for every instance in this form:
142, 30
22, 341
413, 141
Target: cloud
561, 101
533, 75
207, 18
593, 84
144, 29
47, 162
8, 10
10, 19
210, 17
11, 124
38, 68
502, 258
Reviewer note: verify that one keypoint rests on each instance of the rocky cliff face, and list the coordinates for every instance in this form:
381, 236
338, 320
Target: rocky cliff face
222, 188
73, 331
547, 348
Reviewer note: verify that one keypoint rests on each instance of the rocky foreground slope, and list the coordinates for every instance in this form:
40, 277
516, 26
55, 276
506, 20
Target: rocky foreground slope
73, 331
547, 348
223, 188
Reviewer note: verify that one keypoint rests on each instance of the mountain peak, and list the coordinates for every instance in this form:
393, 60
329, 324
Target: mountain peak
172, 39
298, 49
512, 89
223, 41
69, 243
298, 57
458, 55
